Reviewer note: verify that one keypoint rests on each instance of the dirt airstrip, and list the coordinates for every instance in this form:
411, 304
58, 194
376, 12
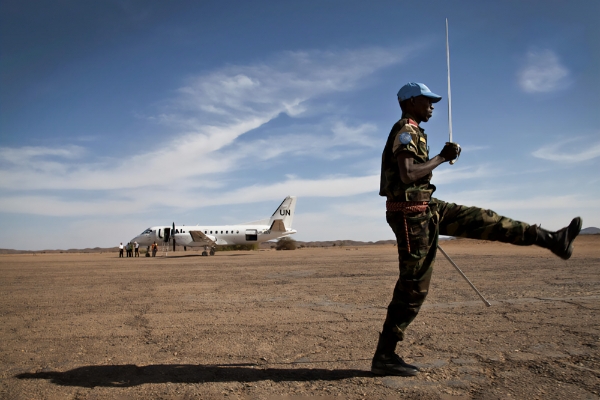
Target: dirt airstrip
297, 324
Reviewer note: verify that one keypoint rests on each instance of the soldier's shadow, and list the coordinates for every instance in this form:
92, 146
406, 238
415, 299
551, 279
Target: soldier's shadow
132, 375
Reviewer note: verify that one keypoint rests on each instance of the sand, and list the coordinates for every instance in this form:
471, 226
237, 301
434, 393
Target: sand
297, 324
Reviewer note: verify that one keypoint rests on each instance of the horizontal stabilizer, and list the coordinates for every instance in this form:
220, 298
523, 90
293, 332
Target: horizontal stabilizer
277, 226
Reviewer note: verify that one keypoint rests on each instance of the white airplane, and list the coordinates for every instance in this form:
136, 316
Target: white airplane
279, 225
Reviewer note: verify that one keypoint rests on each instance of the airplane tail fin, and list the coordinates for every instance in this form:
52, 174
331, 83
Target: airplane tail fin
282, 218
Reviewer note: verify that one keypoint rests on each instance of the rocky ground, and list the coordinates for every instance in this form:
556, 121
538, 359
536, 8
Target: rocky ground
297, 324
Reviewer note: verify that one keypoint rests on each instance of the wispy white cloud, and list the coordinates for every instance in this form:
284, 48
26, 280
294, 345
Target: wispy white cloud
29, 154
543, 72
467, 149
497, 199
325, 187
569, 151
177, 197
553, 211
192, 195
360, 135
373, 207
211, 112
455, 174
325, 140
60, 206
331, 225
282, 84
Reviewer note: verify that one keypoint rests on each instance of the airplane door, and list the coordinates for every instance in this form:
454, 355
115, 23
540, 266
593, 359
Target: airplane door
251, 235
167, 234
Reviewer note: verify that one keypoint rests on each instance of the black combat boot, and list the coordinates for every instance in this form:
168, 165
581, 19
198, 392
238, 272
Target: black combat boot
561, 241
387, 362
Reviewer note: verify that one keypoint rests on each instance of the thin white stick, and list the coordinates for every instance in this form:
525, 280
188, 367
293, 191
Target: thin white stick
449, 91
487, 303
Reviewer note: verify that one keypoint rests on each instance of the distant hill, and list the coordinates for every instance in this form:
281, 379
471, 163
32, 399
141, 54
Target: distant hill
590, 231
265, 245
334, 243
89, 250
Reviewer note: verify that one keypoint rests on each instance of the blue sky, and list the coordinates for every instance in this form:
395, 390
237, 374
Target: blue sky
119, 115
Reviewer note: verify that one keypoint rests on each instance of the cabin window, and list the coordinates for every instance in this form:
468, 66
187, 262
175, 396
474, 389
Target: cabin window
211, 232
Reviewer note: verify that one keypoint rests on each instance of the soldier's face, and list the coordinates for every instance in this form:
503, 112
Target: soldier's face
423, 108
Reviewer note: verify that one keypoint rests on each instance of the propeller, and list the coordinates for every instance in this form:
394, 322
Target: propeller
173, 234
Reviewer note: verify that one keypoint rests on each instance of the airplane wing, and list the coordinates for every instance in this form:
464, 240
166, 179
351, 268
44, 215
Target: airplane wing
199, 236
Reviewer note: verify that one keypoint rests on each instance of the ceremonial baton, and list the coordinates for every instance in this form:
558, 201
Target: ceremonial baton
487, 303
449, 94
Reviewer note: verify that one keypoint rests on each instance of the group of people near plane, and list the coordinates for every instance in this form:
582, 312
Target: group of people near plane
130, 247
135, 246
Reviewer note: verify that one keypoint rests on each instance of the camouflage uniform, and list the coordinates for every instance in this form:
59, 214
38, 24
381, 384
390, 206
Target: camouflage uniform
417, 256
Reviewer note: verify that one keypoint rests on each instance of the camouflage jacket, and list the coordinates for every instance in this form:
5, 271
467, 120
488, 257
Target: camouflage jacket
405, 136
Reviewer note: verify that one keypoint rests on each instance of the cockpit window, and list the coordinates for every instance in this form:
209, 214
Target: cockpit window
147, 231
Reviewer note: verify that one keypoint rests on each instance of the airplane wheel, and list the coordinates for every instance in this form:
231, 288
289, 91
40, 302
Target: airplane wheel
204, 253
212, 252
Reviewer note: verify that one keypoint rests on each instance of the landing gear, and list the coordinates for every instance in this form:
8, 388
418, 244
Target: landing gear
206, 252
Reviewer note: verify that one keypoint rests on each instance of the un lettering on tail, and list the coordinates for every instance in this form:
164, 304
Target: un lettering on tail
282, 218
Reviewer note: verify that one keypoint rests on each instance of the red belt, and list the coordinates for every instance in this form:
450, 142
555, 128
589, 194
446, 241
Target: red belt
406, 207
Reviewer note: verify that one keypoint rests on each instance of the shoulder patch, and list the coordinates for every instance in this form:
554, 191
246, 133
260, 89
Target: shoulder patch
405, 138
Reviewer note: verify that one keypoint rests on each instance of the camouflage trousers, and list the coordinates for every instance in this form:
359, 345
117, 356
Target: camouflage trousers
416, 266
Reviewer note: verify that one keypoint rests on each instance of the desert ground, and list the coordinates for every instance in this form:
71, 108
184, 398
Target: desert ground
298, 324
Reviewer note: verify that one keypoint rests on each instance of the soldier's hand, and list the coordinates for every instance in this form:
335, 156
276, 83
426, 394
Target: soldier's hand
450, 152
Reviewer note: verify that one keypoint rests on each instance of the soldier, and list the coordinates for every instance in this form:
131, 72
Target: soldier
417, 220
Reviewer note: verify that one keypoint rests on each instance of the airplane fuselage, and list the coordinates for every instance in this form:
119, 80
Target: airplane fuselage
221, 235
